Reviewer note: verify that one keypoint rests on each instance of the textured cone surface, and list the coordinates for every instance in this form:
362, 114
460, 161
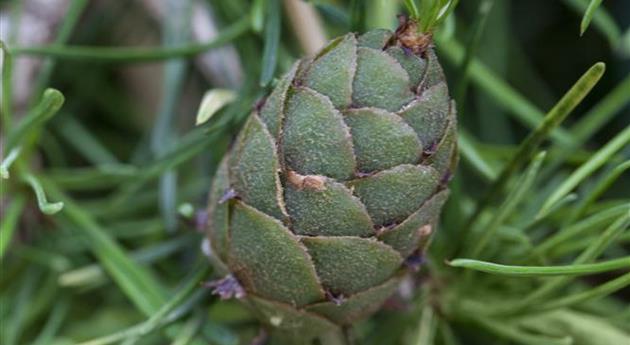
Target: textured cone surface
338, 178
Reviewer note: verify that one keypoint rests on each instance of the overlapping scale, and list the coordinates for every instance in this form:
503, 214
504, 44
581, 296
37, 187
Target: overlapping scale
392, 195
381, 139
332, 71
428, 114
218, 211
291, 321
375, 39
325, 208
413, 64
434, 73
380, 81
268, 259
407, 236
254, 169
272, 111
357, 306
315, 140
349, 265
444, 159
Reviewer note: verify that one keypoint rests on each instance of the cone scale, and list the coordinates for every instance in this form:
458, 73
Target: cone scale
335, 183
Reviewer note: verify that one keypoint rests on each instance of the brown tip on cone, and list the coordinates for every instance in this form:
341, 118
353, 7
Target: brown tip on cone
409, 37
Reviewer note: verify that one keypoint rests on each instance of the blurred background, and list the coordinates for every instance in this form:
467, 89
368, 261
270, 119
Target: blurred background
131, 153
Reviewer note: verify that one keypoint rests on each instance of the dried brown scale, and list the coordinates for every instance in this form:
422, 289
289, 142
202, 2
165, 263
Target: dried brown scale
310, 182
334, 186
410, 37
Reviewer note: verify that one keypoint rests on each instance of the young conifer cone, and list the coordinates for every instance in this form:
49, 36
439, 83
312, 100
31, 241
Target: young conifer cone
335, 183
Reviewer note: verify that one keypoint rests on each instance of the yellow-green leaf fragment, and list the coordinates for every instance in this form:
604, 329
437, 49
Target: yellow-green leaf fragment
213, 101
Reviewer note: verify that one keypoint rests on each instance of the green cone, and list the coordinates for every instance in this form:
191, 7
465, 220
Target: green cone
334, 184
